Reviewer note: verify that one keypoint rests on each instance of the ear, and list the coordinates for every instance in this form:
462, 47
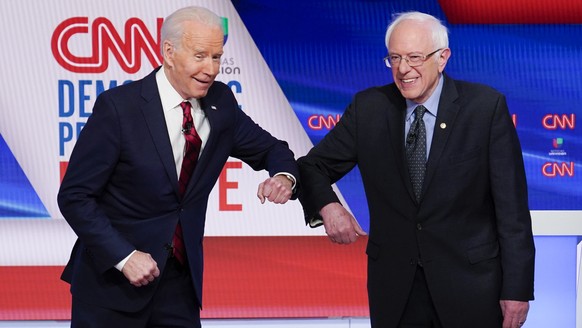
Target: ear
168, 52
444, 56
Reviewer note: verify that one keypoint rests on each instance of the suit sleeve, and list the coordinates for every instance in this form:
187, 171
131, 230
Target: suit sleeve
325, 164
93, 160
257, 147
509, 189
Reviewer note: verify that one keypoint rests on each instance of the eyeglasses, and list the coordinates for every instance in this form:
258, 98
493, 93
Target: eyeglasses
413, 59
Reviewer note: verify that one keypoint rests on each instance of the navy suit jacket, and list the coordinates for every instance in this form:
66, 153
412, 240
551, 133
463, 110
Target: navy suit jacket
120, 191
472, 226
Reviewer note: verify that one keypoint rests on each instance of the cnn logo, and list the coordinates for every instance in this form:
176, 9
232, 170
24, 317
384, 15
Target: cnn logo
563, 121
552, 170
103, 40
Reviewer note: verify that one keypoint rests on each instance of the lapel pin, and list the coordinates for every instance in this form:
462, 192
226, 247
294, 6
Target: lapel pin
443, 126
213, 107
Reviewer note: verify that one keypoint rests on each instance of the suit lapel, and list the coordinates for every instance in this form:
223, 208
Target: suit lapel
396, 118
156, 124
445, 120
209, 109
208, 105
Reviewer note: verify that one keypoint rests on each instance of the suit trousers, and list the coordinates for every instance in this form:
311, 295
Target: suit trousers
173, 305
419, 311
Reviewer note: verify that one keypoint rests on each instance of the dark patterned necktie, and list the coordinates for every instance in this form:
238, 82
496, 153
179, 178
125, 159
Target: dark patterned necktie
416, 151
191, 151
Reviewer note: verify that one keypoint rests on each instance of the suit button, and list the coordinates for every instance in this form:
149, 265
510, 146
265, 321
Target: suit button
419, 226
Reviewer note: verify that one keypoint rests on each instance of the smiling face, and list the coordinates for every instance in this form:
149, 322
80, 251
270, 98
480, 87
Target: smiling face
192, 66
416, 83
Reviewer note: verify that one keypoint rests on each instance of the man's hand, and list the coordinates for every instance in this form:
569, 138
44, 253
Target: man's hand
276, 189
340, 226
514, 313
140, 269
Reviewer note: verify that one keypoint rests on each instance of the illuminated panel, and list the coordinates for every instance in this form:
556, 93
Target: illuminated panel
512, 12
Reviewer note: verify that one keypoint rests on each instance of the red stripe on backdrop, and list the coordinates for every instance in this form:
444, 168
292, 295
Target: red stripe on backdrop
33, 293
512, 11
245, 277
63, 168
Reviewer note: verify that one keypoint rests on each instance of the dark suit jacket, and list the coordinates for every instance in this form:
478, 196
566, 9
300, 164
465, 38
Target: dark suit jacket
120, 191
472, 227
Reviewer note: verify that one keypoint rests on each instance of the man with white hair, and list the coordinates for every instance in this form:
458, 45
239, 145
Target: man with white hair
450, 241
138, 181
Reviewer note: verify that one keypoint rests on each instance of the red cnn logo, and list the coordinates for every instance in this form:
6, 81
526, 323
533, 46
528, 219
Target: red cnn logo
104, 40
552, 170
555, 121
319, 122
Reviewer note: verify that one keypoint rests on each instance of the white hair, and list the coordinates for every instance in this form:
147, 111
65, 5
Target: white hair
173, 26
440, 34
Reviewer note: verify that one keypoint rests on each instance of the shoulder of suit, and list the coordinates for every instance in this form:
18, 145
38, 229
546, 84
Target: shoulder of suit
219, 88
122, 90
474, 87
380, 93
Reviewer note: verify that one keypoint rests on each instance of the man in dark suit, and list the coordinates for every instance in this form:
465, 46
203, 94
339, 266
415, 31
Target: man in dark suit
124, 194
457, 250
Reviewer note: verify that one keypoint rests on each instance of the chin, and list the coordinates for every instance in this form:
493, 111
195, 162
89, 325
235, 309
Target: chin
199, 93
409, 95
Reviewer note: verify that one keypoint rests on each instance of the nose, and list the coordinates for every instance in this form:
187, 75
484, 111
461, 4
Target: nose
211, 66
403, 67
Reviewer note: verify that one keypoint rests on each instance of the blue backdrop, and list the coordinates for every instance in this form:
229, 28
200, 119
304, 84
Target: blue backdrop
322, 52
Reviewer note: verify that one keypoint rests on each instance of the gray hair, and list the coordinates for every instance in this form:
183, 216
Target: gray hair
173, 27
440, 33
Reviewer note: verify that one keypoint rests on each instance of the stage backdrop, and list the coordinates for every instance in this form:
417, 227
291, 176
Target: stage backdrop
294, 74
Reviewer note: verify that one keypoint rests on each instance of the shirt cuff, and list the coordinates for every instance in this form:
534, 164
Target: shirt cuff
290, 177
119, 266
315, 222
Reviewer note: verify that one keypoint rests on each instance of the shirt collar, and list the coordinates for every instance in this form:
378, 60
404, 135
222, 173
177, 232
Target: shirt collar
169, 97
431, 104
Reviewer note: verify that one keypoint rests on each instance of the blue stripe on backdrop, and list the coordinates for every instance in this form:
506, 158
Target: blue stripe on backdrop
17, 197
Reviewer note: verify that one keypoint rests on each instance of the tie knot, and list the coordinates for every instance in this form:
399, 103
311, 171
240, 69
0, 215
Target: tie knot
186, 106
419, 112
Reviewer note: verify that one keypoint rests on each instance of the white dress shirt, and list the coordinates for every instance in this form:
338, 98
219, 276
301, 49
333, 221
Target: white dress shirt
174, 115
